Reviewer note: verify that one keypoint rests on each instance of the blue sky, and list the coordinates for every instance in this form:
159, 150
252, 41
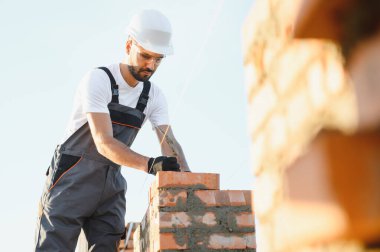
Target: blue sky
47, 46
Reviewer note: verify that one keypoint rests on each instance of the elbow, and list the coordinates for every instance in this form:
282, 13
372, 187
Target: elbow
101, 150
102, 145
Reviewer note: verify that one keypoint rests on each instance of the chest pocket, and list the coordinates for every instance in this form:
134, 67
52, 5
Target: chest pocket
126, 122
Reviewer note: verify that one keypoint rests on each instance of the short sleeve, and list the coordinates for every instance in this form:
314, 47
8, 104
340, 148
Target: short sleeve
159, 115
95, 92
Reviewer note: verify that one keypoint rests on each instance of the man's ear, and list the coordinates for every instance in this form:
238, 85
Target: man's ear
128, 46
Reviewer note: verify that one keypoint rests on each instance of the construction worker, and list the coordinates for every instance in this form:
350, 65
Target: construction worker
84, 187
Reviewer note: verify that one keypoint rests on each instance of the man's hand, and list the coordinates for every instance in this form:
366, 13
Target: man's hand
162, 163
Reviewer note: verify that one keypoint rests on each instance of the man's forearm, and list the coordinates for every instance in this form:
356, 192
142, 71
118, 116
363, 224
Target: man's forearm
170, 147
121, 154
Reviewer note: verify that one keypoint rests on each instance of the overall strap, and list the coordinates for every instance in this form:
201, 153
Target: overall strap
114, 86
144, 96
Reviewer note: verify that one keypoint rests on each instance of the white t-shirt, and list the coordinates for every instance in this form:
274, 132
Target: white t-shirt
94, 94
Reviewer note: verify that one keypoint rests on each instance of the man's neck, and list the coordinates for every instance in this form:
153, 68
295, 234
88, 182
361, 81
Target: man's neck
127, 76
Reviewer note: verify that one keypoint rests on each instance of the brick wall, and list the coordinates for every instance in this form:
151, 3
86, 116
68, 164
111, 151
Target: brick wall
188, 212
305, 200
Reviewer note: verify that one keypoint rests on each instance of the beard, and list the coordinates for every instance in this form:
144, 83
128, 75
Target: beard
138, 73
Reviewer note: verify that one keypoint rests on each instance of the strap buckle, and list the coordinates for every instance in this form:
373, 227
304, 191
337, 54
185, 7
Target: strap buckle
115, 91
143, 99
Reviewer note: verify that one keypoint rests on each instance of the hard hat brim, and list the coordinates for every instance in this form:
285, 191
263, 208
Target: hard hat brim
166, 49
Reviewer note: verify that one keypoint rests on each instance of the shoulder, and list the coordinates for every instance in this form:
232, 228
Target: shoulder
97, 78
97, 74
95, 84
94, 78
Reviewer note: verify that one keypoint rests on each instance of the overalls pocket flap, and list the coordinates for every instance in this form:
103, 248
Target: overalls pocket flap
65, 163
126, 116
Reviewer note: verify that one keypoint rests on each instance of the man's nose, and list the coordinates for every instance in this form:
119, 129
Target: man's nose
151, 64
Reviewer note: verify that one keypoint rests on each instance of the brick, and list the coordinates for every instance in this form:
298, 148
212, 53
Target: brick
174, 220
169, 198
236, 198
248, 195
267, 187
250, 75
316, 84
222, 198
364, 70
208, 219
183, 219
261, 105
277, 134
208, 181
242, 220
258, 148
206, 197
235, 241
170, 241
299, 111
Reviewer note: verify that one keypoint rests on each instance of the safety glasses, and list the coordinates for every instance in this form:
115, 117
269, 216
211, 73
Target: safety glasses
146, 57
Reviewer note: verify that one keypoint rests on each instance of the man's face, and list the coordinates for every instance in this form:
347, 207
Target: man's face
142, 63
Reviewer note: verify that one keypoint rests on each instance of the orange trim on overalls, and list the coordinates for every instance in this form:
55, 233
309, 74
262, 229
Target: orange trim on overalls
123, 124
65, 173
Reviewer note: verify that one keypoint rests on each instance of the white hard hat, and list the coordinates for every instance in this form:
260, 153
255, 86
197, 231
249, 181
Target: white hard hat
152, 30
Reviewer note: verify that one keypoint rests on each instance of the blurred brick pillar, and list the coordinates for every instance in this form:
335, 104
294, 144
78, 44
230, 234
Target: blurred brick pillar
295, 89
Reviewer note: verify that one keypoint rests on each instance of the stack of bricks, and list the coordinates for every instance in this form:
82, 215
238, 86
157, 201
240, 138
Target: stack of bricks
188, 212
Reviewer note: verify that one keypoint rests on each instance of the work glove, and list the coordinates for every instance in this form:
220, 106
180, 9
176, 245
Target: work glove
162, 163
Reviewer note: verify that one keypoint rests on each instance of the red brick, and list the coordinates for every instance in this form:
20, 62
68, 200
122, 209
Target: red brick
208, 181
222, 198
183, 219
248, 195
228, 241
169, 241
207, 197
208, 219
170, 198
237, 198
244, 219
174, 220
167, 198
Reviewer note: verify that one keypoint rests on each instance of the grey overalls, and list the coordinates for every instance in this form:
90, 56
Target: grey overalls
86, 190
